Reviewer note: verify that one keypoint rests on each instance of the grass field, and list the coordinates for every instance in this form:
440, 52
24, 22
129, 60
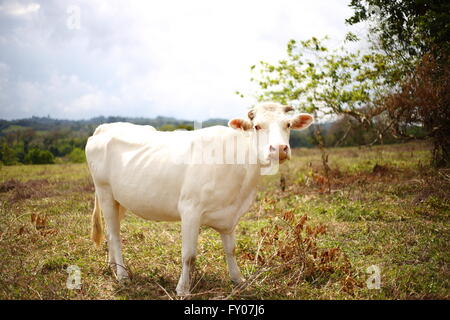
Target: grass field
386, 208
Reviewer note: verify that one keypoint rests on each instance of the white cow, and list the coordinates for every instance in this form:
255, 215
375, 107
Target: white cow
158, 176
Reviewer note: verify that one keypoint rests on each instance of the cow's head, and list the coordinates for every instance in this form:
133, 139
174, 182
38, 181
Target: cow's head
272, 123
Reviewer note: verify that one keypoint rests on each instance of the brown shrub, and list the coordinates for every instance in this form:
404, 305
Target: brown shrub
379, 169
9, 185
424, 98
25, 190
292, 253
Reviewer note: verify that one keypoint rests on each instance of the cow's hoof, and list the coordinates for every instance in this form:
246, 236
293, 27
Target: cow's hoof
123, 277
124, 280
238, 281
183, 292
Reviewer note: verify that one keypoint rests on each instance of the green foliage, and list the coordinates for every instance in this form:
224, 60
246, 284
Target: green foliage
37, 156
302, 138
172, 127
331, 83
415, 35
7, 155
77, 156
167, 127
408, 28
324, 82
187, 127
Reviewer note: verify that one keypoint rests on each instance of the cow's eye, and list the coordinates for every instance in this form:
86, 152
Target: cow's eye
288, 125
257, 127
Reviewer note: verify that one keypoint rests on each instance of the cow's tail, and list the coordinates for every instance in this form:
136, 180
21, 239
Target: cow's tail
97, 234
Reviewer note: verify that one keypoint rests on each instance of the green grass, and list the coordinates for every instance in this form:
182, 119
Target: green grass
396, 218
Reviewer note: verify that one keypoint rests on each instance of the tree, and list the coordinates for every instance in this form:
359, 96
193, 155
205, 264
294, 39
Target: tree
77, 156
405, 28
328, 83
27, 137
37, 156
167, 127
415, 35
7, 155
424, 97
401, 84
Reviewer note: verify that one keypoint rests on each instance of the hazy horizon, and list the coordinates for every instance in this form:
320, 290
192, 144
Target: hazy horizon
108, 116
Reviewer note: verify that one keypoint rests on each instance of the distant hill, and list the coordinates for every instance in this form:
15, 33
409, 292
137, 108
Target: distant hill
88, 126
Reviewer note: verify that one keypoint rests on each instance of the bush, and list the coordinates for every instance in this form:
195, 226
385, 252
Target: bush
37, 156
291, 247
423, 98
7, 155
167, 127
77, 156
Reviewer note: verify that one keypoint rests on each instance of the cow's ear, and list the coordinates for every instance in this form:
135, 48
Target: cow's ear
301, 121
238, 123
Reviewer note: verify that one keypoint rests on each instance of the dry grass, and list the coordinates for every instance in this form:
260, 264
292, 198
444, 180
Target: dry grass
299, 241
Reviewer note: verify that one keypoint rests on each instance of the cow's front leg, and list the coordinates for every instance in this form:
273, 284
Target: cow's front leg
189, 236
229, 245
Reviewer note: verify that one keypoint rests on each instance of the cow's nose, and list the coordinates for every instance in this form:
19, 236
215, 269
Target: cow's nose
281, 150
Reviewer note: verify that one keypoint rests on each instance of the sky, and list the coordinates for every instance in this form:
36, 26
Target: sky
182, 59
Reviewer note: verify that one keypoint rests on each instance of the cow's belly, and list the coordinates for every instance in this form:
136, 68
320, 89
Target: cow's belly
226, 218
147, 184
151, 205
223, 196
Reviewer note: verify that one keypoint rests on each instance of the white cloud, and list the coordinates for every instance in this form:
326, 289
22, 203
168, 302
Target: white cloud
19, 9
146, 58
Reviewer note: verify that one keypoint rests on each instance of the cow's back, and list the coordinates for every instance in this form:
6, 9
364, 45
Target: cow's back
122, 128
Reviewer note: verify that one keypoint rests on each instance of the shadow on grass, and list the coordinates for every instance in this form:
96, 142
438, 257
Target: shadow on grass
144, 287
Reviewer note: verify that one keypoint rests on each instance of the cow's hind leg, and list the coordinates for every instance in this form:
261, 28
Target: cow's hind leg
229, 245
110, 209
189, 236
